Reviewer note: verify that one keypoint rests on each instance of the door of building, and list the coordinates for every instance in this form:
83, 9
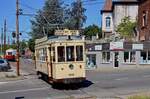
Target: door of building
116, 59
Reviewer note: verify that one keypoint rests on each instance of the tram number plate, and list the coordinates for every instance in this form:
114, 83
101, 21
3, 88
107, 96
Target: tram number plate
71, 74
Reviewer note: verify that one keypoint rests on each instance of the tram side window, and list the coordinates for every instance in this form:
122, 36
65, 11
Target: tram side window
79, 51
43, 54
61, 53
53, 49
70, 53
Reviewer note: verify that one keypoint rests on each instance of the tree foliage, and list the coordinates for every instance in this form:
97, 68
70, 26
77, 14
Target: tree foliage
31, 44
55, 15
23, 46
76, 15
126, 28
47, 19
92, 30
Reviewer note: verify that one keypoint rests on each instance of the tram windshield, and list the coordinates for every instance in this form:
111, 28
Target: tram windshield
70, 53
61, 53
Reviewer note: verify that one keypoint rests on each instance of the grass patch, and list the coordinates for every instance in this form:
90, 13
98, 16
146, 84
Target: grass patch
139, 97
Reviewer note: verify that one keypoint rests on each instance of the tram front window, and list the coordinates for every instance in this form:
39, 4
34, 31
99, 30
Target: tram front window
70, 53
79, 51
61, 54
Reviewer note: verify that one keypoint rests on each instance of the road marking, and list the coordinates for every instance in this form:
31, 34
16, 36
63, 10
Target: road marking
25, 90
3, 83
13, 81
125, 78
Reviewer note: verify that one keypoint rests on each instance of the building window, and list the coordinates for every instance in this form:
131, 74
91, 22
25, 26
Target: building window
144, 19
108, 21
145, 57
61, 53
91, 60
129, 57
105, 57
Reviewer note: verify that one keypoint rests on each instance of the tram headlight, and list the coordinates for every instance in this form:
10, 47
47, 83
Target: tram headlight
71, 66
80, 66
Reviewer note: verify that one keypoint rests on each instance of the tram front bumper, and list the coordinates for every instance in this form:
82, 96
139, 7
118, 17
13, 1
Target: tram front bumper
69, 80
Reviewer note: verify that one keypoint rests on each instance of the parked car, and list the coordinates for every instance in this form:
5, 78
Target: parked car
4, 65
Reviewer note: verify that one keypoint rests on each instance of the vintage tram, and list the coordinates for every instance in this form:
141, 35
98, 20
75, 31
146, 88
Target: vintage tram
10, 54
61, 58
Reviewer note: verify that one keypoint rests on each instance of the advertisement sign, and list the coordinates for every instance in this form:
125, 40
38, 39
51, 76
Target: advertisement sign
98, 47
137, 46
116, 45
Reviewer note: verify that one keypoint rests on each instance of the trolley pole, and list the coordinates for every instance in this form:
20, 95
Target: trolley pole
17, 36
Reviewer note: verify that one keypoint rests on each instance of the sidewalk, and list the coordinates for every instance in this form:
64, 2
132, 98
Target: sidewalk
120, 68
11, 75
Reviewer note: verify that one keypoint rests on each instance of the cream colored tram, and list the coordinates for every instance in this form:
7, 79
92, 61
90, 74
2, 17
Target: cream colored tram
61, 59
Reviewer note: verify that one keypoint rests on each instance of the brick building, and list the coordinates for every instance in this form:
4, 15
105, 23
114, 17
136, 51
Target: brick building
144, 20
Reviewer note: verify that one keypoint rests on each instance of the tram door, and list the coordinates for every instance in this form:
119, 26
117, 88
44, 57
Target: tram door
52, 59
116, 59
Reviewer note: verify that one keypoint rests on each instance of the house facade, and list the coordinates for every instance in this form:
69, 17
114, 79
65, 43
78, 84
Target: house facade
122, 53
107, 22
144, 20
117, 54
114, 11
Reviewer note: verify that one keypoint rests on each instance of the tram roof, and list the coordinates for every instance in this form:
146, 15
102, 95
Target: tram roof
58, 38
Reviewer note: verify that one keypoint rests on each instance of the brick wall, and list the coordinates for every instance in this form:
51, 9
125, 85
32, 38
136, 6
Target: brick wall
144, 31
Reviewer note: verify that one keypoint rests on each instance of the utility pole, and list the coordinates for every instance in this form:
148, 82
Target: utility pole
4, 38
8, 43
17, 36
2, 41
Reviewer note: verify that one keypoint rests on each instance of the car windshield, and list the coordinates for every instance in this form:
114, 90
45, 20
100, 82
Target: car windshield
1, 61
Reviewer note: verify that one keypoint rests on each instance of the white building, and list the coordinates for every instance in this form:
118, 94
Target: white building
114, 11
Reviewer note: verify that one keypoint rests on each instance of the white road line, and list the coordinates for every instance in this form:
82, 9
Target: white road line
125, 78
25, 90
12, 81
2, 83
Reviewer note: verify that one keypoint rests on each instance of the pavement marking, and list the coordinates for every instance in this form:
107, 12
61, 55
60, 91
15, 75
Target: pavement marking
12, 81
25, 90
3, 83
125, 78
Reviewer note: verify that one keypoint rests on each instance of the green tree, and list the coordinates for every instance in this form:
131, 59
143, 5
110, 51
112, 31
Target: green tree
23, 45
76, 15
31, 44
92, 30
126, 28
47, 19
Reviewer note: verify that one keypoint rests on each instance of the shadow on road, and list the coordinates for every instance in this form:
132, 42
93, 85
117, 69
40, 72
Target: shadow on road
74, 86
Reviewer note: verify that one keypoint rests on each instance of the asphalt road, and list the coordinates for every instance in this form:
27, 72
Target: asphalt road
103, 85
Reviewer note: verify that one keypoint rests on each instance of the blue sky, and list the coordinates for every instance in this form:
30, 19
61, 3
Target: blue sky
7, 9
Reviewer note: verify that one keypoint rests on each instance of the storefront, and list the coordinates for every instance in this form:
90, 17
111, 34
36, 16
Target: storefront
116, 54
